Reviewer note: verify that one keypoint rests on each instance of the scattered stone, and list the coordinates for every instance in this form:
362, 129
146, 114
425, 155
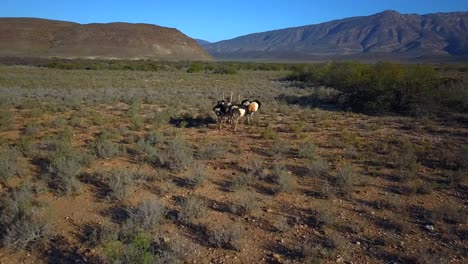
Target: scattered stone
429, 227
277, 257
358, 243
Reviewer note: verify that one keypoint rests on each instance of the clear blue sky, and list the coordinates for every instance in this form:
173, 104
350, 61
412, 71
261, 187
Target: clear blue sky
218, 20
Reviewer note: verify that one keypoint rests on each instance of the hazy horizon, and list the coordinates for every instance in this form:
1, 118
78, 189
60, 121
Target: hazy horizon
213, 20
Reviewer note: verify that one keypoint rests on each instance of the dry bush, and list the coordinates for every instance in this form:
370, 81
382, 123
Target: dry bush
22, 223
228, 237
212, 150
9, 165
192, 209
119, 182
197, 177
246, 203
105, 148
345, 181
451, 212
240, 182
307, 151
6, 119
317, 167
148, 214
279, 148
179, 155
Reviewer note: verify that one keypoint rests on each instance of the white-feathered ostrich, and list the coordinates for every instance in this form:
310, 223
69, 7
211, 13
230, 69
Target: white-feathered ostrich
252, 107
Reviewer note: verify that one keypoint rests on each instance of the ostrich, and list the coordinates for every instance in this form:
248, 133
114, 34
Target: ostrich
222, 111
252, 107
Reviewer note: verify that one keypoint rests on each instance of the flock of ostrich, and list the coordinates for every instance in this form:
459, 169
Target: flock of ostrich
227, 112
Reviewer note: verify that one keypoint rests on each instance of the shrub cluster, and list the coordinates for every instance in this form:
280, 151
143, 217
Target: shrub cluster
386, 87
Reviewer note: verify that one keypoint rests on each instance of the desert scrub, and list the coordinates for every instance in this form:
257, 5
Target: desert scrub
269, 133
63, 170
6, 119
197, 176
161, 118
104, 147
317, 167
279, 148
240, 181
281, 176
27, 146
142, 247
148, 214
179, 155
246, 203
22, 223
307, 151
406, 163
211, 150
192, 209
137, 123
255, 167
451, 212
228, 237
119, 183
146, 151
345, 181
9, 163
323, 215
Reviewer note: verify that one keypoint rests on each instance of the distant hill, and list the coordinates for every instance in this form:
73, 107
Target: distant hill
385, 35
31, 37
202, 42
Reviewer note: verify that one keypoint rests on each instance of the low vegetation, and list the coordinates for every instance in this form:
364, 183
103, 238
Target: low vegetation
344, 162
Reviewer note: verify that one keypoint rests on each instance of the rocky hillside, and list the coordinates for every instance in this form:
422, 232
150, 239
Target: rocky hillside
388, 35
30, 37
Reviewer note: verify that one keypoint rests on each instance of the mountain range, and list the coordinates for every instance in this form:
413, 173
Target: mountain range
32, 37
385, 35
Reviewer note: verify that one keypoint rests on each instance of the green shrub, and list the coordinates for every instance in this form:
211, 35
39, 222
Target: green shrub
307, 151
269, 134
6, 119
195, 67
386, 87
225, 69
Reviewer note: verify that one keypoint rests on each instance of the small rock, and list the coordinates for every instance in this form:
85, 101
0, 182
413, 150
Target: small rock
358, 243
276, 257
429, 227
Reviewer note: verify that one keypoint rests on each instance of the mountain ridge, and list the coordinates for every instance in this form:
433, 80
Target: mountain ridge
402, 36
38, 37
